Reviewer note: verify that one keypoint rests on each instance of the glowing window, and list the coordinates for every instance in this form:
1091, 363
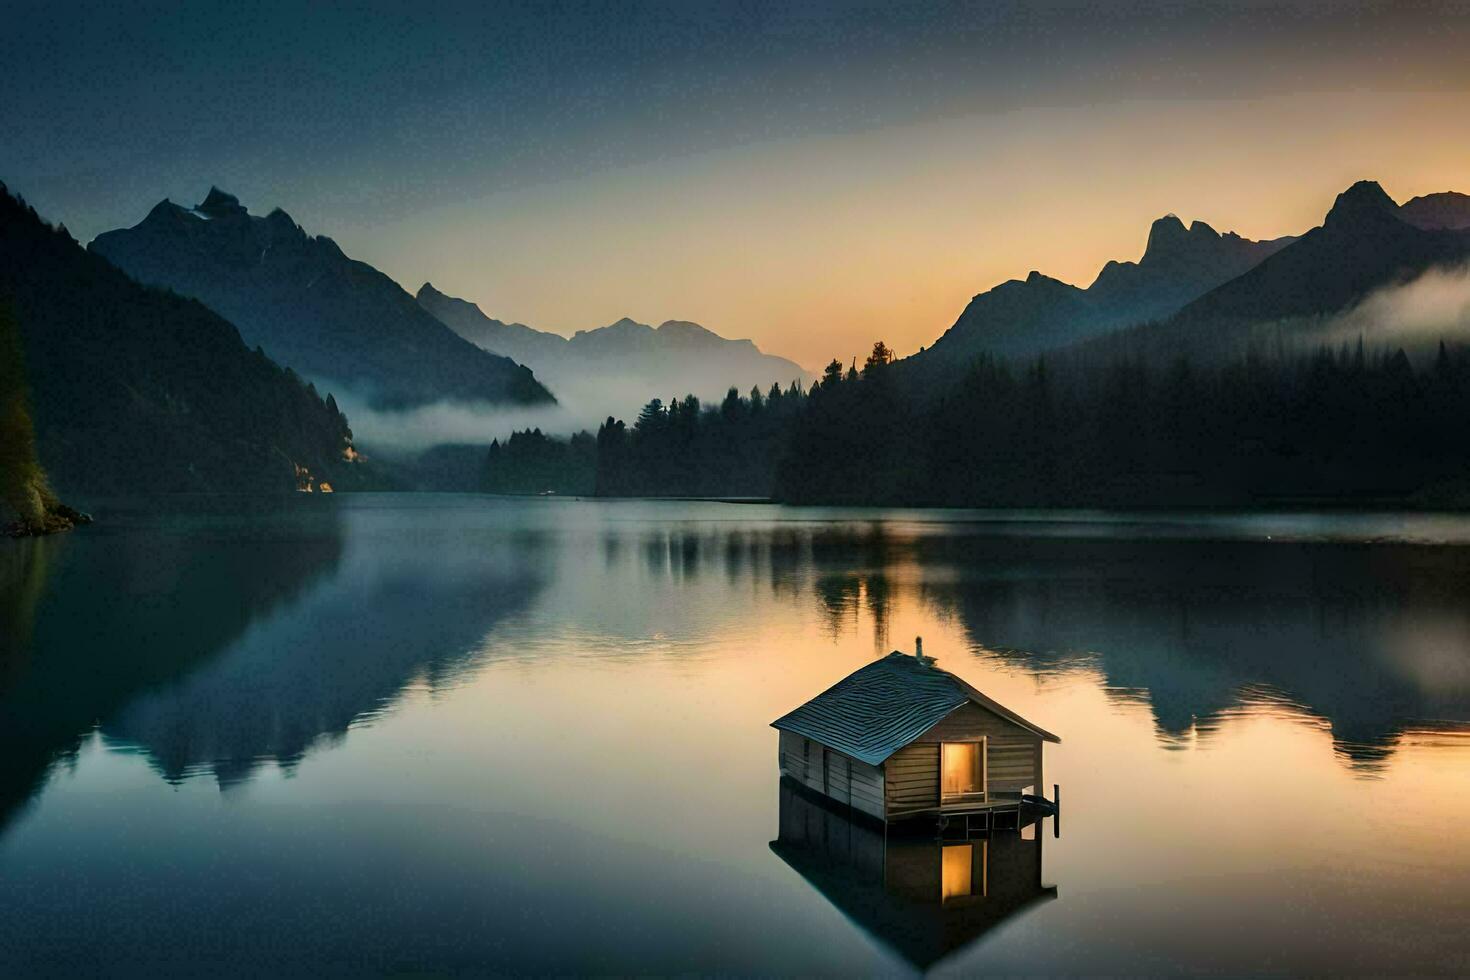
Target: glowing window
963, 769
957, 862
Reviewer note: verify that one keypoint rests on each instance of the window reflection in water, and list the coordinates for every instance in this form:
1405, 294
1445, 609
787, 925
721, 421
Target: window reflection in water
921, 897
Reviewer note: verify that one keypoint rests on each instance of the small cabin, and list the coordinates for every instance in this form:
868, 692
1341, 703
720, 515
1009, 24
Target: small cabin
901, 738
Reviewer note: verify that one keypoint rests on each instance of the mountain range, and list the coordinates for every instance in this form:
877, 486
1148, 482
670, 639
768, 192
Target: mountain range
311, 307
1197, 292
1446, 209
1363, 243
1023, 318
139, 389
616, 368
1366, 244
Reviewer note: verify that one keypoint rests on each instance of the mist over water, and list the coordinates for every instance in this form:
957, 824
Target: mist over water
414, 429
581, 405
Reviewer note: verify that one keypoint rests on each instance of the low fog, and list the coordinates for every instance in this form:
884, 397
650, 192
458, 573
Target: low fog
1415, 315
585, 406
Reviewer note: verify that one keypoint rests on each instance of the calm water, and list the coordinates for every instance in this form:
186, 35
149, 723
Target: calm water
383, 734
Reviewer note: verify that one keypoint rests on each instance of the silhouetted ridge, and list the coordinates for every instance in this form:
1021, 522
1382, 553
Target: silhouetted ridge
613, 369
137, 389
1164, 235
1362, 245
1445, 210
1023, 318
218, 203
1363, 205
312, 307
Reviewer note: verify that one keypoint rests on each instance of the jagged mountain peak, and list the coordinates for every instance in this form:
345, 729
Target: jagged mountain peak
217, 205
278, 216
311, 306
1364, 202
1168, 237
164, 383
1023, 317
1164, 234
1033, 278
1364, 243
218, 202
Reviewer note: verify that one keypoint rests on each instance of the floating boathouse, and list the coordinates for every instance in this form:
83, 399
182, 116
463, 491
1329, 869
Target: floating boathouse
901, 739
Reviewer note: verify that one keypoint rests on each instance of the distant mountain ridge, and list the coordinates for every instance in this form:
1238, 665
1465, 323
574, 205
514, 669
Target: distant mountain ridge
311, 307
1366, 243
136, 389
1445, 210
514, 340
1023, 318
1362, 244
674, 358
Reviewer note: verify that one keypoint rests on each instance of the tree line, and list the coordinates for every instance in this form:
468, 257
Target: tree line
1316, 426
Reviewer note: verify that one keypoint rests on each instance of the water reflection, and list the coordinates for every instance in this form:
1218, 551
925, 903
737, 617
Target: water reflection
1368, 640
532, 735
245, 634
340, 657
240, 642
922, 897
92, 623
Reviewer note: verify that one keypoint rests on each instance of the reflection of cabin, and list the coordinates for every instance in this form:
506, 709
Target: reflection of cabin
921, 897
901, 738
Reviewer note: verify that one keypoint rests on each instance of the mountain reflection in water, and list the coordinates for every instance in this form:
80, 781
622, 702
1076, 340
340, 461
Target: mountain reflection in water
238, 639
1370, 640
454, 734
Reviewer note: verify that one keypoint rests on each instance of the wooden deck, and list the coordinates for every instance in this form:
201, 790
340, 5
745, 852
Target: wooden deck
957, 822
962, 818
959, 808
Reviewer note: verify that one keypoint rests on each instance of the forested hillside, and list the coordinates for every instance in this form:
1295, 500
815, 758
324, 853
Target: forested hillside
137, 389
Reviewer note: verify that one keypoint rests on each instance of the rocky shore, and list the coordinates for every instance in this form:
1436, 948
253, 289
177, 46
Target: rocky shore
58, 517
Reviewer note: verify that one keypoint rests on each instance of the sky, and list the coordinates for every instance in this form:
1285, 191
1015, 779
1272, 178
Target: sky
813, 176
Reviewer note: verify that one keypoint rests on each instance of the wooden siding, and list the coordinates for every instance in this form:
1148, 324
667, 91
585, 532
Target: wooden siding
832, 773
1013, 758
911, 777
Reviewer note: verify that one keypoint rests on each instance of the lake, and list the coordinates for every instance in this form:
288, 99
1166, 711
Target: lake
456, 734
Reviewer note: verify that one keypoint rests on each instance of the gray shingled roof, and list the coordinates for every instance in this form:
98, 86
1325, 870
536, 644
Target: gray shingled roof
877, 710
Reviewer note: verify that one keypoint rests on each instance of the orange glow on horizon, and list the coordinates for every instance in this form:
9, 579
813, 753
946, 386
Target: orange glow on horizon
814, 247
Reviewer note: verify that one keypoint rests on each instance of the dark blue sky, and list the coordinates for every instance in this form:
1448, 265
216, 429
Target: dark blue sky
108, 107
